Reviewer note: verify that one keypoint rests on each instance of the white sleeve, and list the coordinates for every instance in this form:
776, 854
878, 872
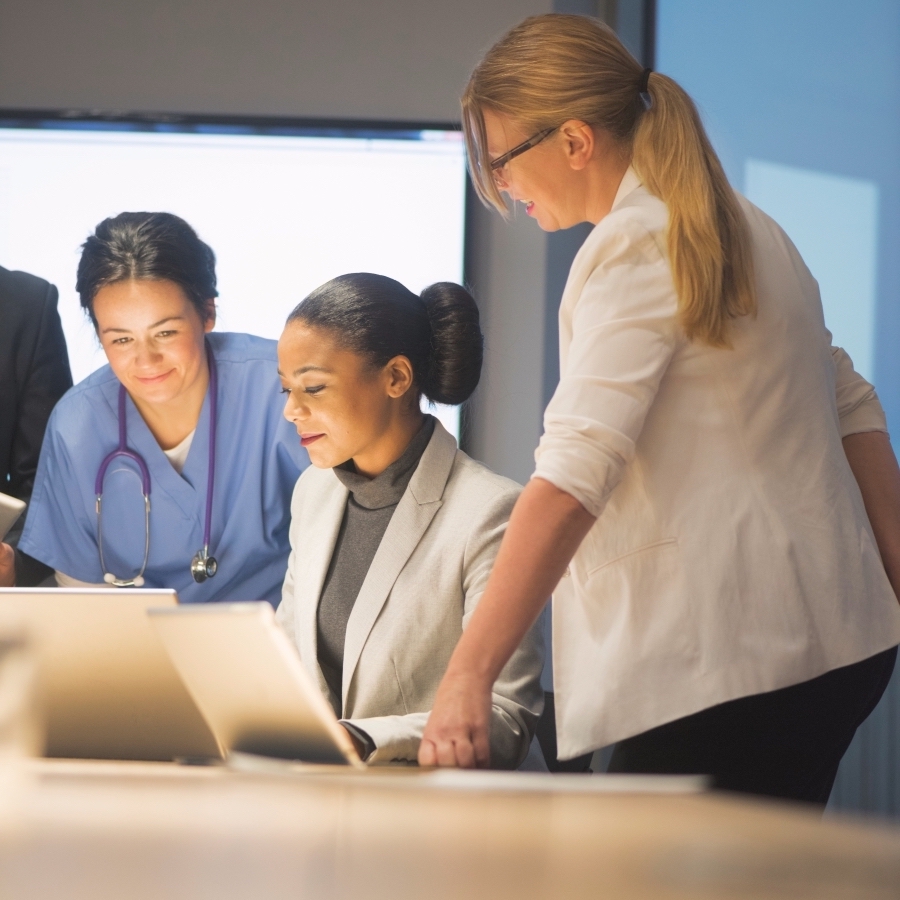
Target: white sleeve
859, 408
284, 615
624, 333
66, 581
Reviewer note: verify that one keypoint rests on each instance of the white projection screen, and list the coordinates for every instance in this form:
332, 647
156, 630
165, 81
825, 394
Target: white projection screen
285, 205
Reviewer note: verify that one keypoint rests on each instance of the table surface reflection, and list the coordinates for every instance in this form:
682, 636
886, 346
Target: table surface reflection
140, 830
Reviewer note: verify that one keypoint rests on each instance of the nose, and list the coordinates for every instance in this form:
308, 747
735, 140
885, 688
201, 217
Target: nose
294, 410
146, 354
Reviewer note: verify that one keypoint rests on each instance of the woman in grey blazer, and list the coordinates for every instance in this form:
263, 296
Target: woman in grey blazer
394, 529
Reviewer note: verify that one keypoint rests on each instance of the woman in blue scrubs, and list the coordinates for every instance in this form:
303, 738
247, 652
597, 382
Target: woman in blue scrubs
148, 284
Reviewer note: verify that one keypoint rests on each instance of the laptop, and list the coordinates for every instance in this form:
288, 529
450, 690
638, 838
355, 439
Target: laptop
10, 510
106, 687
248, 681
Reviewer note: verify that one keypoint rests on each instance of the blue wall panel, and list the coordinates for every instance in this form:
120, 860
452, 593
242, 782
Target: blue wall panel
813, 87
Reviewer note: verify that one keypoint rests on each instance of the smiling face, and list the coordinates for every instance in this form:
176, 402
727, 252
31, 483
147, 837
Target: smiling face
572, 176
342, 407
153, 338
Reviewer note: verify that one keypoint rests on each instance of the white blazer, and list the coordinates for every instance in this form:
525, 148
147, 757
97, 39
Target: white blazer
732, 554
424, 583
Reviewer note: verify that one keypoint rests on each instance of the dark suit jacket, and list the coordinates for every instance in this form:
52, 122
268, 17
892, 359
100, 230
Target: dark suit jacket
34, 374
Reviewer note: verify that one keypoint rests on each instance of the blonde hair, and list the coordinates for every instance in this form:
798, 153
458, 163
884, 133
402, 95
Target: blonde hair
555, 67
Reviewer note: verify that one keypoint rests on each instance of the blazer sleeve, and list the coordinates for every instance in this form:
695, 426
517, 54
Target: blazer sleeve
624, 334
284, 614
858, 406
44, 377
517, 697
59, 531
396, 738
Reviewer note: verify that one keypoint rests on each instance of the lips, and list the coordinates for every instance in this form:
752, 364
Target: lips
307, 439
153, 379
529, 207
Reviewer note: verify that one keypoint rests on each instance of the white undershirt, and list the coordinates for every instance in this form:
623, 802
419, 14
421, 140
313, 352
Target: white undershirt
178, 457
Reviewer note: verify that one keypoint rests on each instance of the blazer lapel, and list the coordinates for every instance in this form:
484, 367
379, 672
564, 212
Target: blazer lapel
314, 550
417, 507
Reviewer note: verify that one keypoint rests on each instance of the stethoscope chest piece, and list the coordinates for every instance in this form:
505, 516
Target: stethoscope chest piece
203, 566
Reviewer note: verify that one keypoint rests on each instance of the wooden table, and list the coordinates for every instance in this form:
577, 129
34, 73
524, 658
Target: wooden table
132, 830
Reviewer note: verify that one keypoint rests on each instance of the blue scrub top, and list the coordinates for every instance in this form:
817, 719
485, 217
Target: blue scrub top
258, 461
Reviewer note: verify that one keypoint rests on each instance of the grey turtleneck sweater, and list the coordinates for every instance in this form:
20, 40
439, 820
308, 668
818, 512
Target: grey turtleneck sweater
370, 506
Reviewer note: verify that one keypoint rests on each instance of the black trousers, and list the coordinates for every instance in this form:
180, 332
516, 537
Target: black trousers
785, 743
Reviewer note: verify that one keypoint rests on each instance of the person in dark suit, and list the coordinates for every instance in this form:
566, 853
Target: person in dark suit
34, 374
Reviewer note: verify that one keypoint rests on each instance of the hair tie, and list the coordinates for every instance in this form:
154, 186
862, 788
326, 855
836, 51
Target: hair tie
643, 88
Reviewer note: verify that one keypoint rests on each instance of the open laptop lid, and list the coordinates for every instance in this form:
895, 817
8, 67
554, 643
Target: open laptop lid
10, 510
248, 681
106, 685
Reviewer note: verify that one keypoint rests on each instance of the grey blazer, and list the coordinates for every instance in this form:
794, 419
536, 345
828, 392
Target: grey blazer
425, 580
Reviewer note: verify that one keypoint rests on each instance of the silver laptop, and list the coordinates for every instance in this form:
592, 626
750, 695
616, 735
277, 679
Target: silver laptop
247, 679
106, 686
10, 510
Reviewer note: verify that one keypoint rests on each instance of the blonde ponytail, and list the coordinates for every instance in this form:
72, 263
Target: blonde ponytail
557, 67
708, 238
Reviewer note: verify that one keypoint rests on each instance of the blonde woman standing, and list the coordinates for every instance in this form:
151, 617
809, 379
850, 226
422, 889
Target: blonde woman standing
715, 505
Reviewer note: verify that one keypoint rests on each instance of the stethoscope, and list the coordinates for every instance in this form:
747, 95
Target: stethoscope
203, 565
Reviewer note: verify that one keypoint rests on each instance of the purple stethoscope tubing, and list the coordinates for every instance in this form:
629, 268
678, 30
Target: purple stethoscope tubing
211, 463
202, 561
123, 451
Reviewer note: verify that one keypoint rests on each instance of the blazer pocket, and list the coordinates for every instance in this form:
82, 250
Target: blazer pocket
400, 687
646, 548
639, 602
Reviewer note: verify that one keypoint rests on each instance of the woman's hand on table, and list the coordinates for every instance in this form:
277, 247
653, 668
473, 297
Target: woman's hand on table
545, 529
458, 729
7, 566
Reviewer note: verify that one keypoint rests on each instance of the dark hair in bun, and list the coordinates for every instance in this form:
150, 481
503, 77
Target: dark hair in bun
151, 246
377, 317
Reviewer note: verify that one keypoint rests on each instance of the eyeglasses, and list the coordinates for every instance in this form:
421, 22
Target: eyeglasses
519, 149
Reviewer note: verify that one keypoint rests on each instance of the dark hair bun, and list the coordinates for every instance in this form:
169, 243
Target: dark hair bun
457, 343
380, 318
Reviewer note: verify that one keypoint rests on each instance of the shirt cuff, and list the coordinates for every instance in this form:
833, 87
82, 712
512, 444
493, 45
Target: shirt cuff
867, 416
589, 483
368, 744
